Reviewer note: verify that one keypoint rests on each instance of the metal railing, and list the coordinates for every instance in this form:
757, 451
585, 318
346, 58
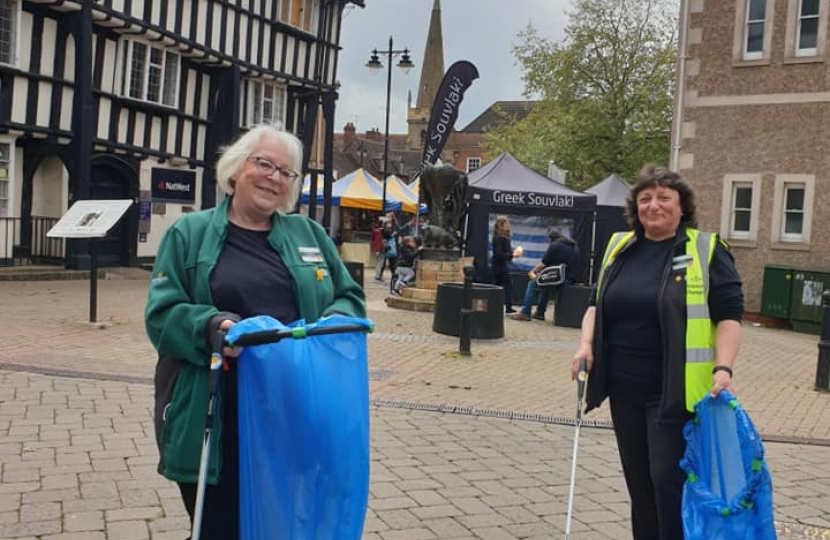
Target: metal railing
37, 249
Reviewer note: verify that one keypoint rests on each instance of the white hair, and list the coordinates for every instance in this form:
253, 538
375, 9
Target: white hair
235, 154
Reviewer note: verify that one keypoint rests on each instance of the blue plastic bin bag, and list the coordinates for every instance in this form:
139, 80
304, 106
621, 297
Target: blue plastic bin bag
303, 433
728, 489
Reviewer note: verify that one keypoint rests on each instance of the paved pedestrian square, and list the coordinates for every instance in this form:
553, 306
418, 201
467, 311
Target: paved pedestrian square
462, 447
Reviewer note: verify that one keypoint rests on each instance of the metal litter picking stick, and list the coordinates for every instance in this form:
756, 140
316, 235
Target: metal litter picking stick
580, 381
215, 372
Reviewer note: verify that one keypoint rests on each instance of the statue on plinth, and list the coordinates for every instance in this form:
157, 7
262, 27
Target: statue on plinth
444, 191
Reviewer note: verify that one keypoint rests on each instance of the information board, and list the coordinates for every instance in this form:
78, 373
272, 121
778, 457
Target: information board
90, 219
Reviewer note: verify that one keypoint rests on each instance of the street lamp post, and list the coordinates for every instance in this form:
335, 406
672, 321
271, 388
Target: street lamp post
375, 64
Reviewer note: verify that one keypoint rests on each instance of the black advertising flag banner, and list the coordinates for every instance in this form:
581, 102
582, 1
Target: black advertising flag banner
456, 80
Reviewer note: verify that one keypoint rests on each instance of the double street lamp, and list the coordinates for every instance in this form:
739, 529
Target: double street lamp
375, 64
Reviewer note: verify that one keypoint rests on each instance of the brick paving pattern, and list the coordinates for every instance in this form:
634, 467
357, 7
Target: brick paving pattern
462, 447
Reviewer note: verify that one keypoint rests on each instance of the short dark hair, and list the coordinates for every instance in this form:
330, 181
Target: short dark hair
554, 234
651, 176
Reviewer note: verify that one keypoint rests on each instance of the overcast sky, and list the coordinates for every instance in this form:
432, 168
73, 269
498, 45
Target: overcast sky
481, 31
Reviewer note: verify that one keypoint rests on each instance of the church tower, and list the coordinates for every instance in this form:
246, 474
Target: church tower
432, 73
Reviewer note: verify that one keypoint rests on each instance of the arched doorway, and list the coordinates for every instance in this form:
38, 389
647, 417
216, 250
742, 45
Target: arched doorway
115, 178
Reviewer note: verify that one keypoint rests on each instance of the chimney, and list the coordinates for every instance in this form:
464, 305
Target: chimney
348, 135
374, 135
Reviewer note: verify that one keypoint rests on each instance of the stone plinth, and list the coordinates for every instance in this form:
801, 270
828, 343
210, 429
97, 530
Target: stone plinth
428, 274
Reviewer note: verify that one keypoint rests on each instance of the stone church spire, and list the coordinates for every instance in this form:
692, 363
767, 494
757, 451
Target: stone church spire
431, 74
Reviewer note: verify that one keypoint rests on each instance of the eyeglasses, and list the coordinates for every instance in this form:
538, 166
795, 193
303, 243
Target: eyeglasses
269, 169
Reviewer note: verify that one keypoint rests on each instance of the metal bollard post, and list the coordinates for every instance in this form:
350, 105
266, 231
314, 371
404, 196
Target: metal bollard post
823, 366
466, 311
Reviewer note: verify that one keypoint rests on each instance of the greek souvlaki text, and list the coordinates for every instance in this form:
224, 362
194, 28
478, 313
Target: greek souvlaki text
530, 198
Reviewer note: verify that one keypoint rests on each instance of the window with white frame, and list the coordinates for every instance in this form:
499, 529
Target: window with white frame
5, 190
311, 10
807, 26
473, 164
150, 73
266, 103
8, 32
756, 14
793, 219
301, 13
741, 207
793, 208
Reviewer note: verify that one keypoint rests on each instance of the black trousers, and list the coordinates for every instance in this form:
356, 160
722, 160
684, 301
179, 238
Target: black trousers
650, 452
502, 278
220, 517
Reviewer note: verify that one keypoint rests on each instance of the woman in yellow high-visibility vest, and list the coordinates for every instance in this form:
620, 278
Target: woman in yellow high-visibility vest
663, 330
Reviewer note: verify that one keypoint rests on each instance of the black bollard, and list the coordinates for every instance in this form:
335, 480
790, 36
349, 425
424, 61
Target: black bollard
466, 311
823, 366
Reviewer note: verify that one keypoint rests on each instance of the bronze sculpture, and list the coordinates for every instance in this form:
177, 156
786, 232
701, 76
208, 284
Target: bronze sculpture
444, 191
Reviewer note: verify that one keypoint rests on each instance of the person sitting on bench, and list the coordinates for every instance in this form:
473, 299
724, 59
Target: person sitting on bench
561, 250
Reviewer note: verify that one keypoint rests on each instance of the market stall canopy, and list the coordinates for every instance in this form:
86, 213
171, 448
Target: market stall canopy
611, 192
358, 189
610, 215
403, 193
507, 182
534, 203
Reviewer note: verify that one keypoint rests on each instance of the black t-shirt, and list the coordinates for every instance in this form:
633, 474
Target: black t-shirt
631, 322
250, 278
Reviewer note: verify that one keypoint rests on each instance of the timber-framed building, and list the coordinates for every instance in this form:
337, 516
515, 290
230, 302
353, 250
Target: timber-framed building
133, 99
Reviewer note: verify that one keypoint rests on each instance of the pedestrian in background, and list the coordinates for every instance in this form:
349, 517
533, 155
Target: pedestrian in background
405, 271
662, 331
379, 248
242, 258
391, 234
503, 253
561, 250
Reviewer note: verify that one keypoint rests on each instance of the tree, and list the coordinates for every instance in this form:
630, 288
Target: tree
605, 92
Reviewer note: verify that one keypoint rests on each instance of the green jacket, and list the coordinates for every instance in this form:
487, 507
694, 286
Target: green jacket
180, 315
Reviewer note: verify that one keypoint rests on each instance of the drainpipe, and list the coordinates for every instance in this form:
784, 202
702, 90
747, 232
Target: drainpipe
680, 87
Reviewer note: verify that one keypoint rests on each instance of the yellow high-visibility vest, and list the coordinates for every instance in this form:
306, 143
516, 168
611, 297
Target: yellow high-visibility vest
700, 330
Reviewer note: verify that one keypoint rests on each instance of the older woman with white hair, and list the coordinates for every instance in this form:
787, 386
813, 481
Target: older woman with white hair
243, 258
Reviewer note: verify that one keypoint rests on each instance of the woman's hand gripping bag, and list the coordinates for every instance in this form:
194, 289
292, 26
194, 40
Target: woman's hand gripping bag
728, 489
303, 432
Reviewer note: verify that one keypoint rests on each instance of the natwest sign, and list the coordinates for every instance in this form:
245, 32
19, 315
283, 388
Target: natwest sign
173, 186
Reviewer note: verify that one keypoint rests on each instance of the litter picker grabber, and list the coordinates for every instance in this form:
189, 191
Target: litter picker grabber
213, 384
272, 336
580, 381
245, 340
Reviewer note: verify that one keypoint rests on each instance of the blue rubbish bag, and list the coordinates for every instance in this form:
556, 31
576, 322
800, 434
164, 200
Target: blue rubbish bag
728, 489
303, 433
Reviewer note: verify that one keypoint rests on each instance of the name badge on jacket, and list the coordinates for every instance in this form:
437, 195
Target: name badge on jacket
310, 254
681, 261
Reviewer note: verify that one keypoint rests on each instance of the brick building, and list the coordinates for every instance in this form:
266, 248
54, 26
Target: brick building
752, 129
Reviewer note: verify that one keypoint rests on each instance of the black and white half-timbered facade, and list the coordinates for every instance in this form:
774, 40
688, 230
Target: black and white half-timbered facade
131, 99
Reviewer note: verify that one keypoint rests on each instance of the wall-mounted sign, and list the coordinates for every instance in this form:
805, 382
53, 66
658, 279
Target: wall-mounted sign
145, 213
173, 186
